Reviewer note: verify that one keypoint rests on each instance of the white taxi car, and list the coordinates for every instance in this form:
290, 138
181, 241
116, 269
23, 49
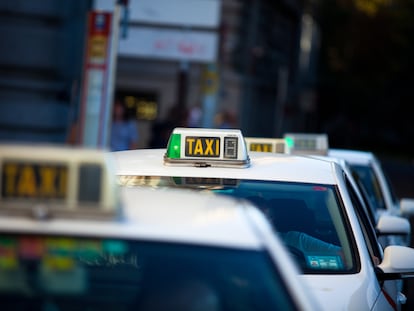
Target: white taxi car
391, 227
311, 203
71, 239
368, 168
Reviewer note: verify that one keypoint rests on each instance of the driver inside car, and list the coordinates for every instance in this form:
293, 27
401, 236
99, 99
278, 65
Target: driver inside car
296, 225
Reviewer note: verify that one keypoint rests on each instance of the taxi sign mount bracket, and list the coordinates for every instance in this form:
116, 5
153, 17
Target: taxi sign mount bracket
201, 164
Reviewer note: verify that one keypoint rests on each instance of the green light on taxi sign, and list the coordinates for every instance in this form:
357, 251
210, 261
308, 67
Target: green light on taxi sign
290, 142
203, 147
307, 143
174, 146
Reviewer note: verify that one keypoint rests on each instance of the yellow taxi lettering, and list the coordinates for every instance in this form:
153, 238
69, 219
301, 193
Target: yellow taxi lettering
209, 147
10, 177
190, 142
47, 178
261, 147
266, 148
198, 148
63, 177
27, 182
34, 181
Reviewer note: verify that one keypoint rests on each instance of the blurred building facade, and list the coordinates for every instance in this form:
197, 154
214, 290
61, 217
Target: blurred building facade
40, 65
252, 59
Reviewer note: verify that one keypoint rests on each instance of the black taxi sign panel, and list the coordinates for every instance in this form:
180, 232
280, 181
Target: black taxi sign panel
50, 181
207, 147
33, 180
276, 145
262, 147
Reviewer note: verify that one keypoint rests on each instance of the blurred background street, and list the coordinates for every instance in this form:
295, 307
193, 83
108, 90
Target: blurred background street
343, 67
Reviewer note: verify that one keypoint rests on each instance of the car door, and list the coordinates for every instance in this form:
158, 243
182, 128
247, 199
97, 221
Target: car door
390, 295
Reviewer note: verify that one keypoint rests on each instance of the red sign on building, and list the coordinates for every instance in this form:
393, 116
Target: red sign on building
95, 79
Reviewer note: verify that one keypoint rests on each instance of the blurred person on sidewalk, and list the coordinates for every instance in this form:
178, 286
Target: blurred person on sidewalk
124, 130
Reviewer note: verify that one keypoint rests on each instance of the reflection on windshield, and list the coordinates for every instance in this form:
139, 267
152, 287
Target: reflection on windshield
308, 217
61, 273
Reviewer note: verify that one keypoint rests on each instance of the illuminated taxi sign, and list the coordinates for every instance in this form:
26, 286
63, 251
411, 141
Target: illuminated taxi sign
33, 180
46, 181
303, 143
276, 145
207, 147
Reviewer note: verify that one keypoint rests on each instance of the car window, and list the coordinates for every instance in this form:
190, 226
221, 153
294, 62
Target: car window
371, 184
73, 273
371, 209
367, 225
390, 186
308, 217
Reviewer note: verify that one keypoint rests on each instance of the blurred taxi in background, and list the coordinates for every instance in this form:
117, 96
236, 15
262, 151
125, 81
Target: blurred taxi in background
368, 168
71, 239
311, 203
391, 227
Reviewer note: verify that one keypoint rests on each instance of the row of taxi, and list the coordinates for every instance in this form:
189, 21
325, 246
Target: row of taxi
375, 188
204, 224
314, 204
389, 214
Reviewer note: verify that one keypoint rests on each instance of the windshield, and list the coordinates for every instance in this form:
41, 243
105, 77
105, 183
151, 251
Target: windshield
308, 217
68, 273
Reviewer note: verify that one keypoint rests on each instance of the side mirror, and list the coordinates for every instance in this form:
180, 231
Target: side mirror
407, 206
393, 225
398, 263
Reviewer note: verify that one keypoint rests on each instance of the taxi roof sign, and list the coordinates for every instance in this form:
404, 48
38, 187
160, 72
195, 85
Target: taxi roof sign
57, 181
276, 145
307, 143
207, 147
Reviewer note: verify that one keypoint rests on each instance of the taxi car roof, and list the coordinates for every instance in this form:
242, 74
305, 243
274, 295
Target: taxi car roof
36, 151
355, 156
332, 158
263, 166
174, 215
